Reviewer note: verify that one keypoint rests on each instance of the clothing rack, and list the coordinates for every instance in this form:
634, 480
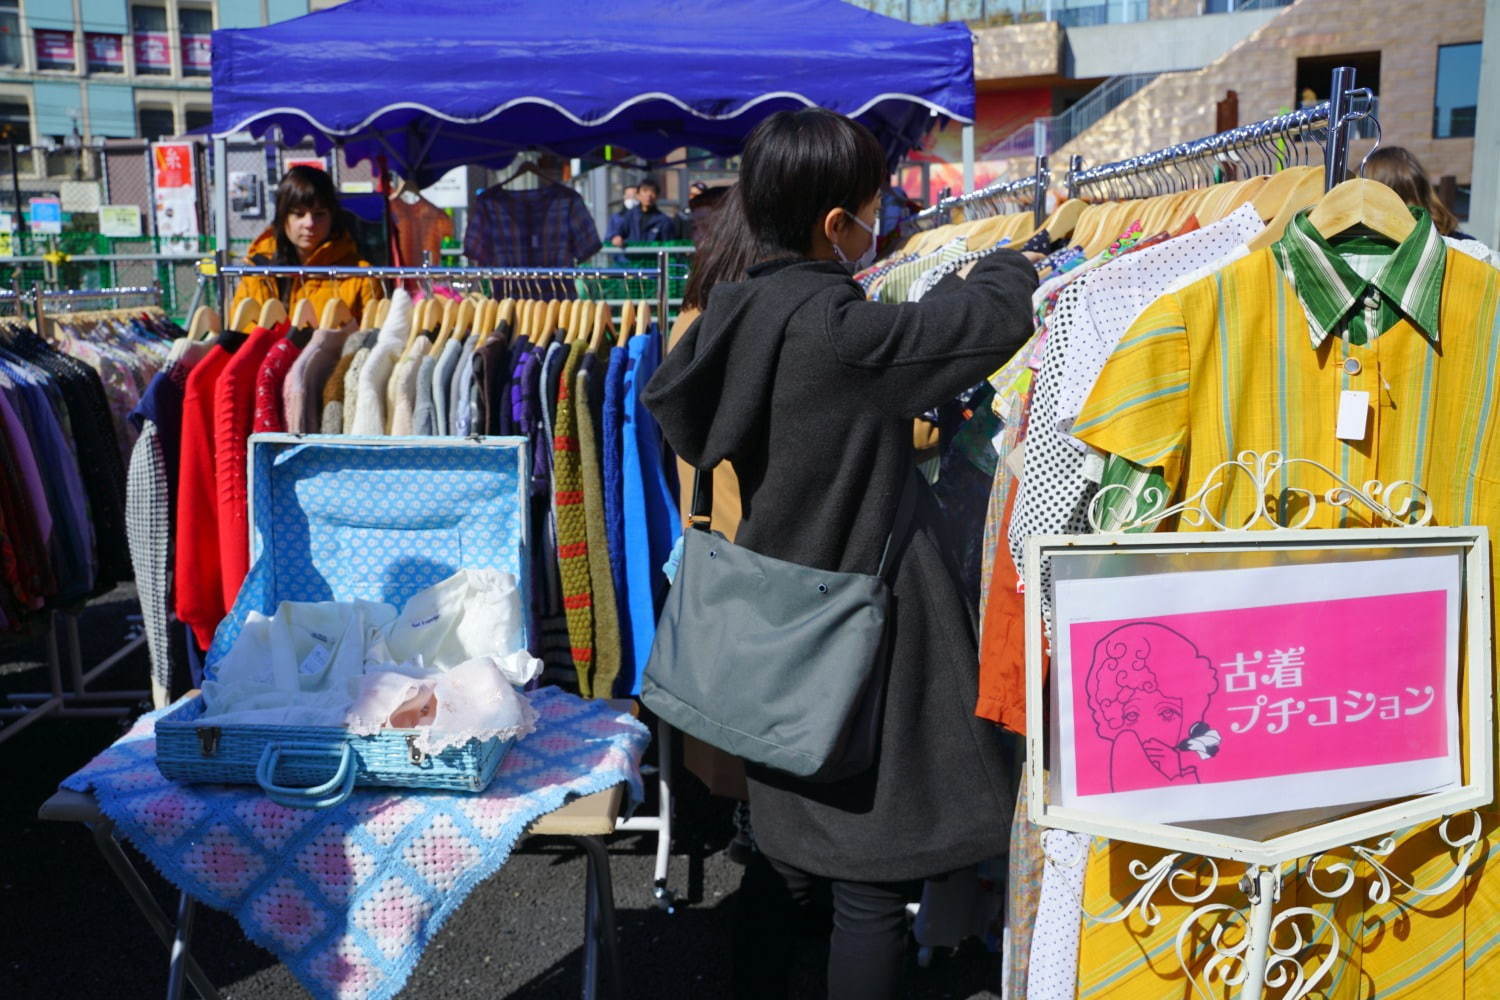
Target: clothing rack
986, 201
661, 823
660, 273
74, 700
1337, 115
40, 297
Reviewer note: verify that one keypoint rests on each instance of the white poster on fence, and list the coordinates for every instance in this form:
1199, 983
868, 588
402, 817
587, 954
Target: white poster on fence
176, 195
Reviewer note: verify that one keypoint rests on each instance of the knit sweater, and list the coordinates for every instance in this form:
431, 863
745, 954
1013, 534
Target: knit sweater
606, 614
572, 529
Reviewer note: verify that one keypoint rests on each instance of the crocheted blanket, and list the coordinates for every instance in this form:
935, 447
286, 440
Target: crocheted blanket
349, 897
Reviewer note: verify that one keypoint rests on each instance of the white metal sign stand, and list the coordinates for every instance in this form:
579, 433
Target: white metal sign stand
1256, 950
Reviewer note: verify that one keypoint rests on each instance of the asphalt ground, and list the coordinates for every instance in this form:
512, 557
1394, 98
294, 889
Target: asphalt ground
68, 930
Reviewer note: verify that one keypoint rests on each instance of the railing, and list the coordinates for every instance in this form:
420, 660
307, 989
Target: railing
1063, 128
1068, 13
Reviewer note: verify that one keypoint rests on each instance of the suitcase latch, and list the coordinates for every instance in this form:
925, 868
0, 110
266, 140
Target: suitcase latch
417, 756
208, 740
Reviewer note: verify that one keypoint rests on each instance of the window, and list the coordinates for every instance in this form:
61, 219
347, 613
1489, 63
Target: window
10, 33
156, 122
1457, 93
153, 46
196, 118
15, 123
197, 40
1315, 82
106, 52
55, 49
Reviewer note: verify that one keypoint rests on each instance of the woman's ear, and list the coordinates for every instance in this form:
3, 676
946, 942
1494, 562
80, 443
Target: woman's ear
833, 224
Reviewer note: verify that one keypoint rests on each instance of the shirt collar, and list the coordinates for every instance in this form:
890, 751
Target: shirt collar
1411, 279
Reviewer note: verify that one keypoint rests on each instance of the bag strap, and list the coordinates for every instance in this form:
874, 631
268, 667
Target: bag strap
700, 513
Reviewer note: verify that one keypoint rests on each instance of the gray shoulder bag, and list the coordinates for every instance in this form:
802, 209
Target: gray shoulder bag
778, 663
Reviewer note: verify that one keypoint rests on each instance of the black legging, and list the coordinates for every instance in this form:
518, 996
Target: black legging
867, 951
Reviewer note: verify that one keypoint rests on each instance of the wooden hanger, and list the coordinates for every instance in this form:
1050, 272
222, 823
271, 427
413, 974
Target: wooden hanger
304, 313
243, 317
205, 321
1064, 220
1273, 194
643, 319
1363, 202
271, 313
601, 323
1304, 194
627, 321
336, 315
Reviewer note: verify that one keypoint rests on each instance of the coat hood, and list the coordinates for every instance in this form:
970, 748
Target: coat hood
712, 392
341, 251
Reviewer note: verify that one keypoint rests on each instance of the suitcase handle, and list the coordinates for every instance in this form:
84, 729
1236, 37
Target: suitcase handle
325, 796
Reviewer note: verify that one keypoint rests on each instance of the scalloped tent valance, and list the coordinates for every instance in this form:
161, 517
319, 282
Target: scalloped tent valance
448, 82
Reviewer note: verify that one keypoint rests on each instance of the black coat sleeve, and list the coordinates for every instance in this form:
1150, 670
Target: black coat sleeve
910, 357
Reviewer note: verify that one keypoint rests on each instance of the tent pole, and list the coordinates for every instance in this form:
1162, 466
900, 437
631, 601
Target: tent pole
968, 144
221, 195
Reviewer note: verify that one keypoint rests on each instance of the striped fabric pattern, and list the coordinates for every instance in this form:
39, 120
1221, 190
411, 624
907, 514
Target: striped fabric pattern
1227, 364
1409, 283
572, 527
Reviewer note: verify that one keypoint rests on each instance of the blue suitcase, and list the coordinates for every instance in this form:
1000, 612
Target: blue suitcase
336, 518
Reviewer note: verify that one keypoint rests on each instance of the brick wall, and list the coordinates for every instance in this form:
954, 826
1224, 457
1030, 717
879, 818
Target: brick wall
1018, 50
1263, 69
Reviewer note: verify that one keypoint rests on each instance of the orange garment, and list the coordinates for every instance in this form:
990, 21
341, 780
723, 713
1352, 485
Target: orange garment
1002, 641
340, 251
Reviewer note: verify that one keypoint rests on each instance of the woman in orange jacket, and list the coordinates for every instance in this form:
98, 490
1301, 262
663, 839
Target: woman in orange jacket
309, 228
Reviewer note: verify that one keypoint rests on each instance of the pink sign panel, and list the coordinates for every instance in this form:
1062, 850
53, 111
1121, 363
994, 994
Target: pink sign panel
153, 50
106, 52
1246, 710
55, 50
197, 53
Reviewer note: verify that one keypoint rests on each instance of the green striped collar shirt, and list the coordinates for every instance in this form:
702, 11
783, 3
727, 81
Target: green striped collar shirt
1339, 300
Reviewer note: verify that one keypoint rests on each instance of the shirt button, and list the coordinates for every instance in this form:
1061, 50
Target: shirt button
1351, 366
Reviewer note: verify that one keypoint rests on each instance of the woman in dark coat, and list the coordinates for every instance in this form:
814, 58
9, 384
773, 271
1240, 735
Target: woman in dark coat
810, 389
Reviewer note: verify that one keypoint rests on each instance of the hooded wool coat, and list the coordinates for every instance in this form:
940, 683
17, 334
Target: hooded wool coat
810, 390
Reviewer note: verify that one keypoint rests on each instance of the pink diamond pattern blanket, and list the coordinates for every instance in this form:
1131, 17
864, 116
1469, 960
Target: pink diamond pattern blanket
349, 897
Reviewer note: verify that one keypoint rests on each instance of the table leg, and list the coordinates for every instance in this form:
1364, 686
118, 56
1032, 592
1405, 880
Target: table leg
140, 894
181, 942
599, 916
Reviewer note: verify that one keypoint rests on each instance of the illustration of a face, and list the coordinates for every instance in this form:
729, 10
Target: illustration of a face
1149, 688
1154, 717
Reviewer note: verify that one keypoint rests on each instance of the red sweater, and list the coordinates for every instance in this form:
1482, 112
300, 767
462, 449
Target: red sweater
269, 380
234, 415
199, 595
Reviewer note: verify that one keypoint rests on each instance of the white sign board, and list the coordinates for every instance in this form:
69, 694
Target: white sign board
120, 220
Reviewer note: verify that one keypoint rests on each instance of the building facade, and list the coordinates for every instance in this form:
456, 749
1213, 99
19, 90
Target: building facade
78, 73
1109, 79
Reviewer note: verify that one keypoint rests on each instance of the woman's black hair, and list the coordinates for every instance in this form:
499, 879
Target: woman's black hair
302, 188
725, 248
800, 165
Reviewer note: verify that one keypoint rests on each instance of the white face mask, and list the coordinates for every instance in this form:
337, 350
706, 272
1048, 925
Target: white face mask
631, 203
865, 259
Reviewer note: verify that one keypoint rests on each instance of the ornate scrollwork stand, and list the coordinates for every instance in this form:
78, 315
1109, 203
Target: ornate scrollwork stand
1258, 950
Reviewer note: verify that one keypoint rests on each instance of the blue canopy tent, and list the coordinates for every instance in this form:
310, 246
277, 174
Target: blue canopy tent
449, 82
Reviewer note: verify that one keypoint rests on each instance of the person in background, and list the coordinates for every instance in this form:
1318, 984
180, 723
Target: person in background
311, 228
628, 201
1399, 169
645, 223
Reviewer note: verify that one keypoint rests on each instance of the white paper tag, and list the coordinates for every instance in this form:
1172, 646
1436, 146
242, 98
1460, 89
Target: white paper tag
314, 662
1093, 466
1354, 415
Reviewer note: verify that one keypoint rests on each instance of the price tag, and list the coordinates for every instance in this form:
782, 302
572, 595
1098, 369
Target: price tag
314, 662
1354, 415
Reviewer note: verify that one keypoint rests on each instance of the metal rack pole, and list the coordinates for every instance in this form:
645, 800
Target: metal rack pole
1336, 155
1075, 167
1039, 196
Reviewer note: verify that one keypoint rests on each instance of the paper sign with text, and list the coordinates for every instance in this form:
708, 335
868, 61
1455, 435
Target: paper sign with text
1209, 695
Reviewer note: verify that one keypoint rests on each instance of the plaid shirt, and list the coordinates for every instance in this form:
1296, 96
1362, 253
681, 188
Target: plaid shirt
547, 227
